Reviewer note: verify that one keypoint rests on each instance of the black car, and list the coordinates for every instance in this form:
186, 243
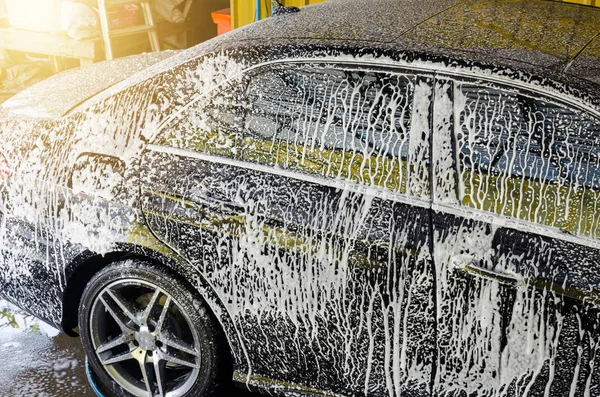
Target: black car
383, 198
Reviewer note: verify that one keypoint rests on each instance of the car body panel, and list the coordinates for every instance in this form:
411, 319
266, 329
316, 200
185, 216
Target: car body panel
517, 311
206, 210
367, 256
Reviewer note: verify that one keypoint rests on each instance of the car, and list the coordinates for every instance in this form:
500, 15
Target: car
382, 198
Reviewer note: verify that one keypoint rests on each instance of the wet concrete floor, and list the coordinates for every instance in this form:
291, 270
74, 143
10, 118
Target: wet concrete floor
37, 361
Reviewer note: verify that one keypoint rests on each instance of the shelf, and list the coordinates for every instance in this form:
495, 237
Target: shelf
49, 44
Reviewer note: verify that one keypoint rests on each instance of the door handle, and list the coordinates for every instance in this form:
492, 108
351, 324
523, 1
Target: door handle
208, 198
473, 267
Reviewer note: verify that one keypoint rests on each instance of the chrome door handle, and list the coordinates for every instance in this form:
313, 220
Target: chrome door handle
206, 197
472, 266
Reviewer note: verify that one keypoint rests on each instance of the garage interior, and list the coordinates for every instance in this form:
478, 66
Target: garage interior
39, 38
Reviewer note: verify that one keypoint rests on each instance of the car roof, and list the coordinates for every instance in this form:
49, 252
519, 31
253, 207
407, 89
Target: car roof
552, 39
539, 42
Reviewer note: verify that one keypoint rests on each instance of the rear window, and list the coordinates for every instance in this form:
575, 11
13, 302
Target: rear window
331, 122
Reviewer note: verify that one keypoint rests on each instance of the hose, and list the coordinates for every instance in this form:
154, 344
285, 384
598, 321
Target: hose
90, 376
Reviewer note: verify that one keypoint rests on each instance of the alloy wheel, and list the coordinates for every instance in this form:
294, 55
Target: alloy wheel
144, 340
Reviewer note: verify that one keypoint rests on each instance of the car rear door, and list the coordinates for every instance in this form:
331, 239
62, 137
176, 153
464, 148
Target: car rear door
516, 250
339, 155
301, 194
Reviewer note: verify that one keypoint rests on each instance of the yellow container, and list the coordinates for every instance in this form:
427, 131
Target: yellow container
243, 12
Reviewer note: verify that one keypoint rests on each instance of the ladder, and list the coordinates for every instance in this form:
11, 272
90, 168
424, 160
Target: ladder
107, 33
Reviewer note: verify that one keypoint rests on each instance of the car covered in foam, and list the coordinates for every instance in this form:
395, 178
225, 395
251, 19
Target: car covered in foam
383, 198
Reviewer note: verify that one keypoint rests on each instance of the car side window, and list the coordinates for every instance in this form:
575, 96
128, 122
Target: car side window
211, 124
331, 122
528, 158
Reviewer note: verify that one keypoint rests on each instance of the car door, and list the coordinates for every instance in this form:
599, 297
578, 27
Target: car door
319, 247
338, 232
516, 249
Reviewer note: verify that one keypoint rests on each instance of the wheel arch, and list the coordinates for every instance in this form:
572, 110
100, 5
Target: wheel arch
81, 270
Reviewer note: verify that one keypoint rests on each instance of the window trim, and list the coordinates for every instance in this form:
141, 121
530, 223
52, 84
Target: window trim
371, 191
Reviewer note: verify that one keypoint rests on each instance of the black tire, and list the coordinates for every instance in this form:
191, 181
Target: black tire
183, 347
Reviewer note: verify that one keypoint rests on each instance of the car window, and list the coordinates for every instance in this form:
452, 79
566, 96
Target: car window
528, 158
212, 124
331, 122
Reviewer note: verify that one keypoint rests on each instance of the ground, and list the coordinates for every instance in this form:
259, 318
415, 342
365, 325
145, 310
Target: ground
39, 361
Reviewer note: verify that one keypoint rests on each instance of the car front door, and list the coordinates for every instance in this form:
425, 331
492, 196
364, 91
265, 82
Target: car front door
516, 249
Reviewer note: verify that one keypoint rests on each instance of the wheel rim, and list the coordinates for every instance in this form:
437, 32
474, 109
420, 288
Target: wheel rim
144, 340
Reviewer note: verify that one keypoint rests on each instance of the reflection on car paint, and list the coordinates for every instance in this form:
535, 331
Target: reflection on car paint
325, 287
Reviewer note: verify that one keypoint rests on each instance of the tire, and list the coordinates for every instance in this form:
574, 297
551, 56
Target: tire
146, 333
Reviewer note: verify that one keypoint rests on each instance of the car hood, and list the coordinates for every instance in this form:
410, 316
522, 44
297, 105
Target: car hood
55, 96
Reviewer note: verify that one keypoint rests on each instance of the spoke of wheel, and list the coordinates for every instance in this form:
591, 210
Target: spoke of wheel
117, 359
151, 304
163, 314
179, 346
159, 373
175, 360
120, 321
124, 338
123, 305
144, 369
